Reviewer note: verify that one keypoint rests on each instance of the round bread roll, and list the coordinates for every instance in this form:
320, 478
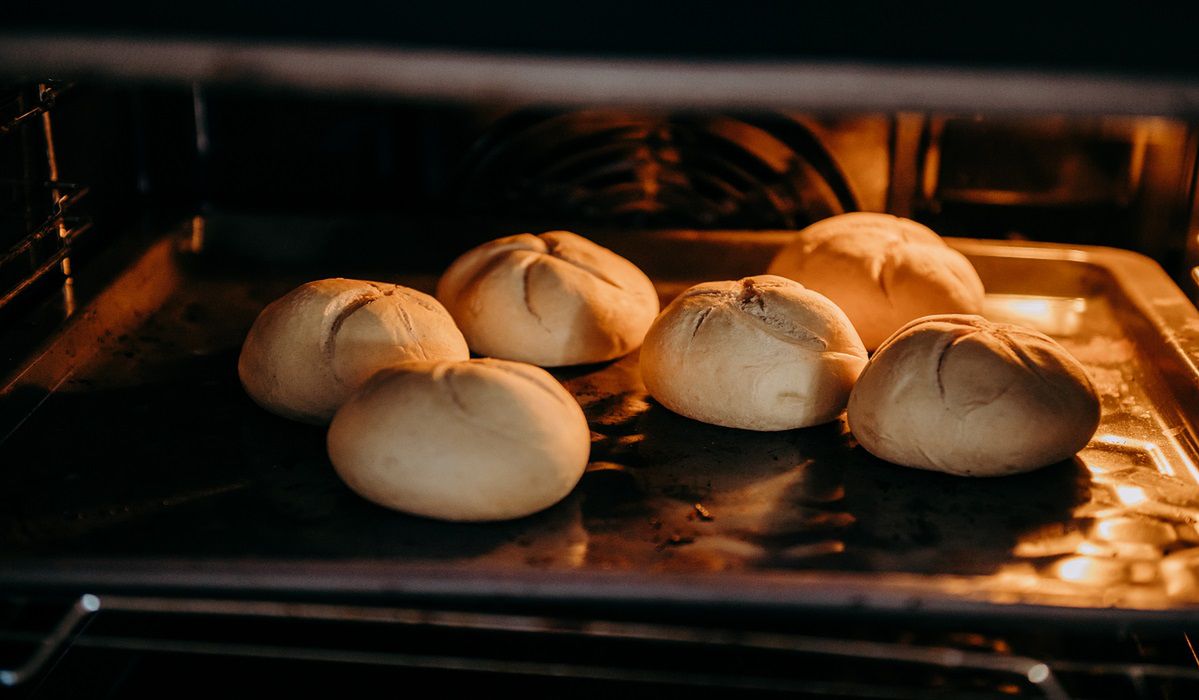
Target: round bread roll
309, 349
555, 299
882, 270
761, 354
470, 441
962, 395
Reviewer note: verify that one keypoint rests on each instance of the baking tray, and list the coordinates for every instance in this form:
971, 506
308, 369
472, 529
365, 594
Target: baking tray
133, 460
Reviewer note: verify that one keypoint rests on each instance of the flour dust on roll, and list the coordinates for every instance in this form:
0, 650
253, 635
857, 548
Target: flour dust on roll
308, 350
882, 270
962, 395
479, 440
762, 353
552, 300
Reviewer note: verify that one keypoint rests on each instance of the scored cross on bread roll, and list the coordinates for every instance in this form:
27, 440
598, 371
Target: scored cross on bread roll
962, 395
551, 300
311, 347
882, 270
762, 353
471, 441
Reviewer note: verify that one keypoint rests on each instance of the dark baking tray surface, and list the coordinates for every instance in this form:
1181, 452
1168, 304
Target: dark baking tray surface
134, 459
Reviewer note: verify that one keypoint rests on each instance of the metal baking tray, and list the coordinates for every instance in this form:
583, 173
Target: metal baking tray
133, 460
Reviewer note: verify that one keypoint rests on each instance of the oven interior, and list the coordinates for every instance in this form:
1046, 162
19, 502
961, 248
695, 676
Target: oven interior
147, 223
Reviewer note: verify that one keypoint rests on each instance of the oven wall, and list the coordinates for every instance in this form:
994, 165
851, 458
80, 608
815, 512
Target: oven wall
1124, 182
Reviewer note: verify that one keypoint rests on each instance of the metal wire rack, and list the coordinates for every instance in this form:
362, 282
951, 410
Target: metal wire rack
40, 214
547, 646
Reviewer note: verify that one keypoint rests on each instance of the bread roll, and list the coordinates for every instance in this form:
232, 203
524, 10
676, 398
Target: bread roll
962, 395
761, 354
555, 299
478, 440
310, 348
882, 270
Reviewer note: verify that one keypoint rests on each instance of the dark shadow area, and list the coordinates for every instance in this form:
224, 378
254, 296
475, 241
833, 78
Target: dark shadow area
190, 466
928, 522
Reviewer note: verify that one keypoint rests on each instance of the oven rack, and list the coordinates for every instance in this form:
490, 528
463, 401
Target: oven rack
15, 112
29, 261
41, 215
208, 628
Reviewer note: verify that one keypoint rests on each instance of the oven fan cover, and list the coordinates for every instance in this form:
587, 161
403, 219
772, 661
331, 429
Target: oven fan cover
647, 170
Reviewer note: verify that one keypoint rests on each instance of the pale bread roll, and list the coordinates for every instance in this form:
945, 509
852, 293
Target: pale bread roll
882, 270
965, 396
551, 300
762, 353
472, 441
309, 349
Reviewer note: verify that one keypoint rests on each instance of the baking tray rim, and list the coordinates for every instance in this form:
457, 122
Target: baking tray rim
377, 581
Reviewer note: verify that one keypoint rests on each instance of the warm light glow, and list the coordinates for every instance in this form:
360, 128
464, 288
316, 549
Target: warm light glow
197, 238
1052, 315
1035, 309
1137, 449
1075, 569
1131, 495
68, 294
1093, 549
1038, 673
576, 554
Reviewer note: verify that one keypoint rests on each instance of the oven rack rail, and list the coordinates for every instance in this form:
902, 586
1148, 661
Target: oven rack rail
28, 261
1043, 677
41, 219
20, 113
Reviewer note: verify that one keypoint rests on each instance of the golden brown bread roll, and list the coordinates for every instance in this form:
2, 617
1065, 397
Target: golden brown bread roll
311, 347
478, 440
762, 353
882, 270
965, 396
551, 300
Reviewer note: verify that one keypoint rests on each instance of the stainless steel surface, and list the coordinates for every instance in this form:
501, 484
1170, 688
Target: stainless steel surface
173, 479
539, 79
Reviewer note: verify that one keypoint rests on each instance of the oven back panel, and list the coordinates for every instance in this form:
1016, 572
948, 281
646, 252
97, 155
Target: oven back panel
145, 151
